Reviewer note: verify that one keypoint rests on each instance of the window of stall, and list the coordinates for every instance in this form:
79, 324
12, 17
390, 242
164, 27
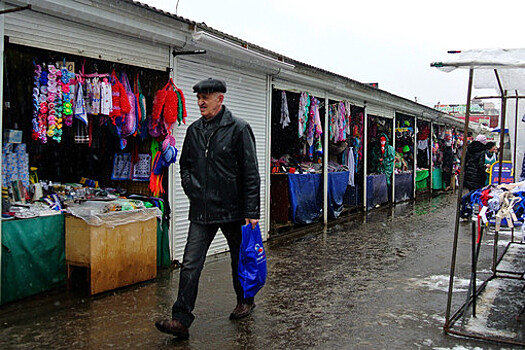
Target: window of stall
297, 150
423, 156
443, 158
404, 162
72, 144
381, 157
345, 165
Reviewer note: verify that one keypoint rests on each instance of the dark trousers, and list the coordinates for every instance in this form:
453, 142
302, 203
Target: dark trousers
200, 237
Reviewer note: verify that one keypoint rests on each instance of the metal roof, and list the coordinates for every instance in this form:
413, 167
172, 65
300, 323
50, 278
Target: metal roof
306, 68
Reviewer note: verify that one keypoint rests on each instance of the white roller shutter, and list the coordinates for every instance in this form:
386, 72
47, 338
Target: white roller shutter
380, 111
247, 99
48, 32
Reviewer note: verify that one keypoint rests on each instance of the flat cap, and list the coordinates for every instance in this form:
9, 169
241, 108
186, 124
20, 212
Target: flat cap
209, 85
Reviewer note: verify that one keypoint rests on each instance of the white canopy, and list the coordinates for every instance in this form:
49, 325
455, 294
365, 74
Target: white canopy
509, 63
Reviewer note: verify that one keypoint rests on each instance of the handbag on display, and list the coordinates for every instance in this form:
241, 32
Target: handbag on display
252, 261
129, 120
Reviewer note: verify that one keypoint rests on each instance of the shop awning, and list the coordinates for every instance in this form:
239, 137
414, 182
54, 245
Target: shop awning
508, 63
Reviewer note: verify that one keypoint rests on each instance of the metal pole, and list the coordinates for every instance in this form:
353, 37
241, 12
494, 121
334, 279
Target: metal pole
472, 283
2, 67
365, 157
414, 158
515, 138
431, 160
502, 125
267, 160
393, 179
502, 136
493, 97
172, 170
458, 204
325, 161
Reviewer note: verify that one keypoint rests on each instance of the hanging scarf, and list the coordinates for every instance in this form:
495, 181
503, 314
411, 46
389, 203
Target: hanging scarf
285, 114
302, 114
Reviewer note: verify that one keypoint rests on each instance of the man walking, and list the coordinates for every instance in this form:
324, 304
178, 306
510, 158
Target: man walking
220, 176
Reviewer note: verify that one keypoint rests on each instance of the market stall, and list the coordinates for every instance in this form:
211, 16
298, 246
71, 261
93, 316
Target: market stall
444, 160
381, 158
79, 129
345, 165
404, 161
423, 154
296, 190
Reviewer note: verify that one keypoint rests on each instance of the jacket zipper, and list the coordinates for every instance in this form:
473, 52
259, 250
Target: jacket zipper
207, 170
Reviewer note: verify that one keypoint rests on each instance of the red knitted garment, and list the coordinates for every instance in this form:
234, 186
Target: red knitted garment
171, 107
120, 101
158, 104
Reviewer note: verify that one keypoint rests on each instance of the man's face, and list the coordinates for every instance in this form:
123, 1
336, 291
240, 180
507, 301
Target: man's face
210, 103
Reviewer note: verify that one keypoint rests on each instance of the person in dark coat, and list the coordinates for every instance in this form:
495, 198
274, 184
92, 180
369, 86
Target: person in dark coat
220, 176
447, 163
475, 174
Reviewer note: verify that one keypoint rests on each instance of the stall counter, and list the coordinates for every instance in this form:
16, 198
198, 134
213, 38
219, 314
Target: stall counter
114, 255
33, 256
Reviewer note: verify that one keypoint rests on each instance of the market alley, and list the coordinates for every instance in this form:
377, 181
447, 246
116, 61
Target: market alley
376, 281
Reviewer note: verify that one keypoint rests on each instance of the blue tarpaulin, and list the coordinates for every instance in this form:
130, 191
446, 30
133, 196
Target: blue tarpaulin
306, 197
376, 190
404, 187
337, 184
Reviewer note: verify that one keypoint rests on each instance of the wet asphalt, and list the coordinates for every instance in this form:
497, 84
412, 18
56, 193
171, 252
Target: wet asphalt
374, 281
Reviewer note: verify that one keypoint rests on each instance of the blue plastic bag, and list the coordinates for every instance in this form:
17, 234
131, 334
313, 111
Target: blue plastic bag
252, 261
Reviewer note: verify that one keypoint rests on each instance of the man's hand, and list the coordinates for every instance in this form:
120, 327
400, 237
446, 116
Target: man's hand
252, 221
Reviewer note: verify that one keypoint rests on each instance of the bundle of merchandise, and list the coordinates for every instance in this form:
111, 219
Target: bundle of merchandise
169, 106
309, 125
15, 171
498, 204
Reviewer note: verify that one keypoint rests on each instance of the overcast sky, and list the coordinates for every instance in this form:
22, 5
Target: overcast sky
384, 41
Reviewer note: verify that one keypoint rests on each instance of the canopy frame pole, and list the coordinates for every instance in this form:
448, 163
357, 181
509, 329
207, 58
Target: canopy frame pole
493, 97
502, 124
515, 137
458, 204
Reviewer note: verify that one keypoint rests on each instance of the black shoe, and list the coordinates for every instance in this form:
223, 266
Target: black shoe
173, 327
241, 311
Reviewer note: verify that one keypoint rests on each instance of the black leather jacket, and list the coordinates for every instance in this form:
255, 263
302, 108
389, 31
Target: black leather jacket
221, 176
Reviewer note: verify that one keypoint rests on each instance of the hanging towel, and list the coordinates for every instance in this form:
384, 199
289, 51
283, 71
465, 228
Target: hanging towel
285, 114
350, 163
80, 105
95, 100
106, 98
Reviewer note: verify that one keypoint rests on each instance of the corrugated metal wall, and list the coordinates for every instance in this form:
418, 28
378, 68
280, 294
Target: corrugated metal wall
43, 31
381, 111
247, 99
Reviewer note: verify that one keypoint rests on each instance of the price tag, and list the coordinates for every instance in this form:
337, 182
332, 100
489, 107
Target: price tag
483, 214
